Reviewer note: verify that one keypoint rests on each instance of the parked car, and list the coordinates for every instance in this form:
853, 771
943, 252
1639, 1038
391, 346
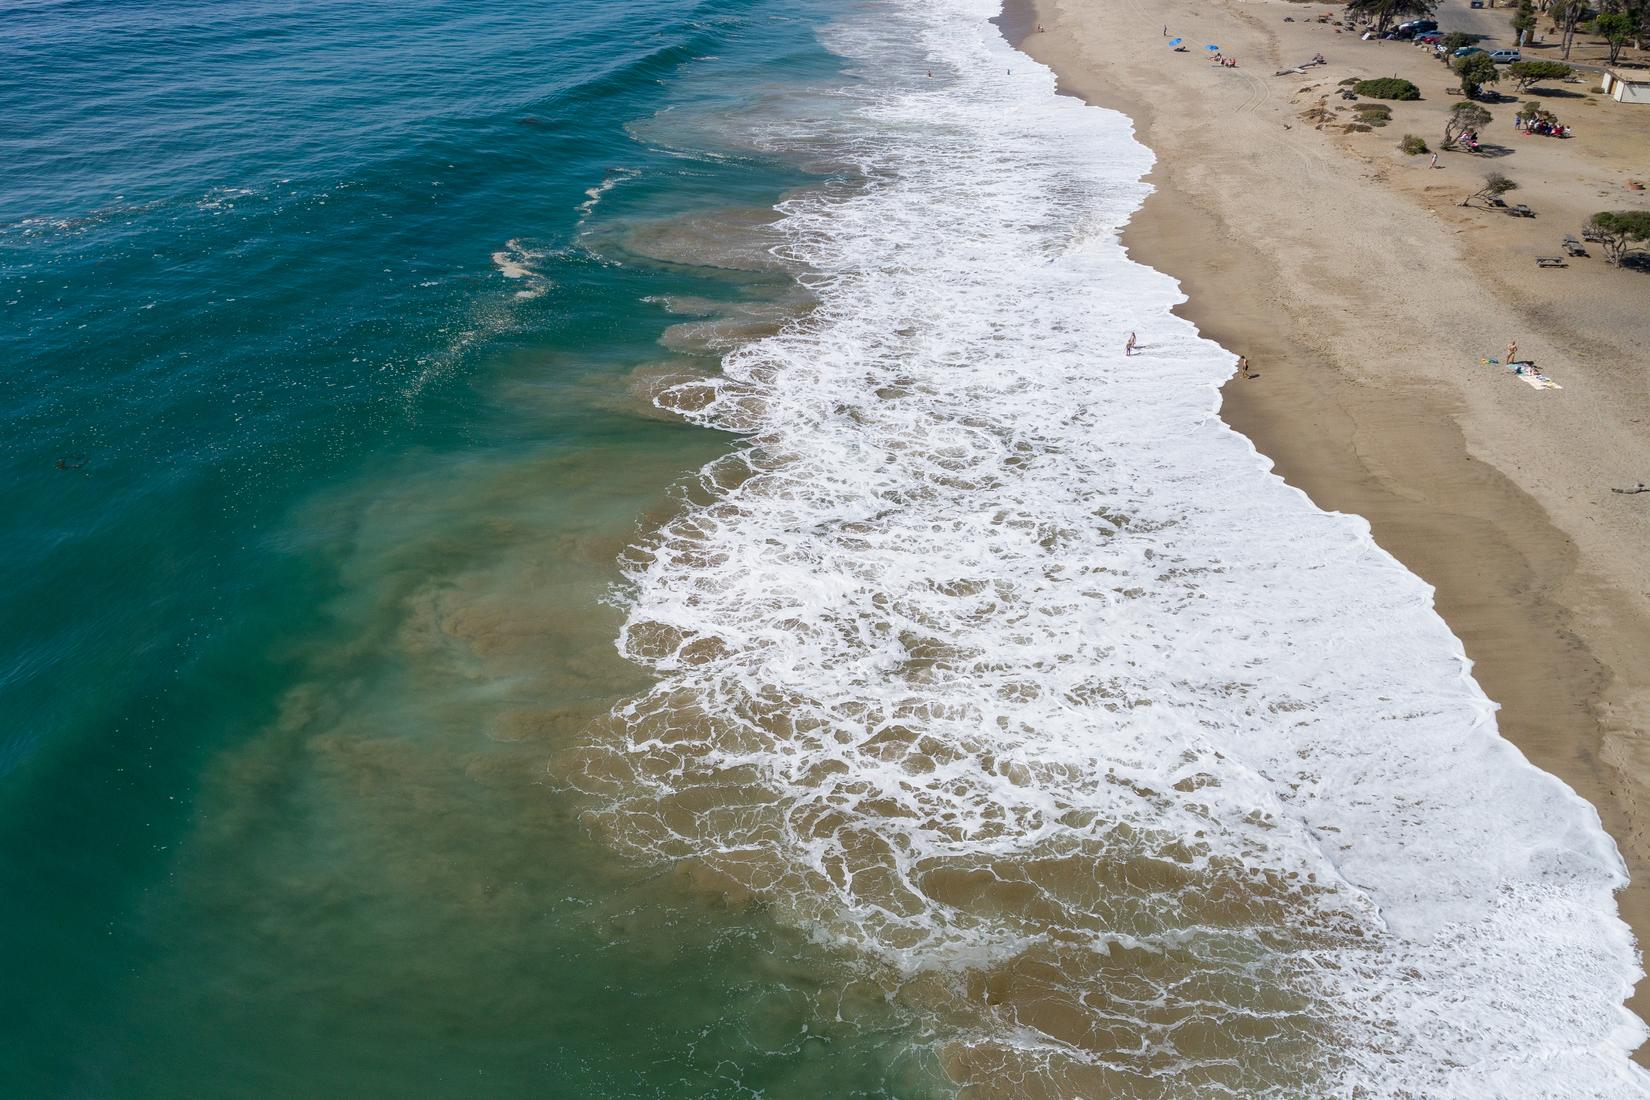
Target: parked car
1468, 51
1504, 57
1429, 38
1419, 25
1476, 4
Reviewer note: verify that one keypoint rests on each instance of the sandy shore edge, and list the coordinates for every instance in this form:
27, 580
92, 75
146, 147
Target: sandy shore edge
1508, 579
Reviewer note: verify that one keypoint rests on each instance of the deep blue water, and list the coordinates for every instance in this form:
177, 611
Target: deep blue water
269, 407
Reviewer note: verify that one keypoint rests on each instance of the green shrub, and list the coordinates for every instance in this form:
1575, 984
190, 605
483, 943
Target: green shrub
1414, 145
1379, 110
1387, 87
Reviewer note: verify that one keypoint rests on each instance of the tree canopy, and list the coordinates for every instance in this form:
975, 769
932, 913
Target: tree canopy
1615, 27
1475, 71
1621, 231
1463, 117
1526, 73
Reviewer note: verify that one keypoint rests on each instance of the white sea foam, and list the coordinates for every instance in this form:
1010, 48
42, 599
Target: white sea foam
593, 195
995, 645
514, 261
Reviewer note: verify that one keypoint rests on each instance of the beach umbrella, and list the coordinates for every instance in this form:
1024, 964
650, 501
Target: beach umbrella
1212, 49
1176, 41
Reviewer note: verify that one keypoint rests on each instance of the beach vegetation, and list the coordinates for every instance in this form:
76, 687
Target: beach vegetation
1495, 185
1376, 114
1475, 71
1347, 83
1620, 232
1387, 87
1616, 28
1526, 73
1383, 12
1463, 117
1414, 144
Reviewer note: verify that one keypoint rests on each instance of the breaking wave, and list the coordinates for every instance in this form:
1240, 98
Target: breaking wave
995, 655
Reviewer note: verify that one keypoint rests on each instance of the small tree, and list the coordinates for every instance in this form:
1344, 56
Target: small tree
1615, 28
1526, 73
1524, 22
1463, 117
1620, 231
1495, 185
1475, 71
1456, 40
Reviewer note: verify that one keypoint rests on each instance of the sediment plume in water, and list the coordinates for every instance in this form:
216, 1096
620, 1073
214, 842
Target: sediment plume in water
995, 658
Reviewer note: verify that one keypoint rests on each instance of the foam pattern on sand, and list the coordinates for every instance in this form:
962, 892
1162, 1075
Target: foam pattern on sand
996, 657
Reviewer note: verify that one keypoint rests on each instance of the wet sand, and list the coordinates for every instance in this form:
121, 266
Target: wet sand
1365, 299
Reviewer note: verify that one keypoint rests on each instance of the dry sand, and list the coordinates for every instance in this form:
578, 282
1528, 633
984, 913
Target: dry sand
1366, 298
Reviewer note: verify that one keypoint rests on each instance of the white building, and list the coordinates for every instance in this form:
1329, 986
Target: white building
1627, 87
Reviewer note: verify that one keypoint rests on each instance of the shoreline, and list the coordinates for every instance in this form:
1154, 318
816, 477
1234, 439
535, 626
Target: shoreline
1510, 579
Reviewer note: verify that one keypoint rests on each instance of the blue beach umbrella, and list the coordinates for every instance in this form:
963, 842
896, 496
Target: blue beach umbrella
1176, 41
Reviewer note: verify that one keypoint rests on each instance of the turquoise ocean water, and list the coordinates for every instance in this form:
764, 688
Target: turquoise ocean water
328, 329
610, 550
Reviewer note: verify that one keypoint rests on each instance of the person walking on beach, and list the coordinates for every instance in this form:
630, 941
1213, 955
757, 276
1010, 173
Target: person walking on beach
1128, 348
1512, 352
1243, 367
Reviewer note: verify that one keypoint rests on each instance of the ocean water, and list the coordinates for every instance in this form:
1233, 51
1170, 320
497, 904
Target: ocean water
611, 550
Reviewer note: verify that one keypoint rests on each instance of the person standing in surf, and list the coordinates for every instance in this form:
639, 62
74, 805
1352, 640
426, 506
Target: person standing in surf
1128, 348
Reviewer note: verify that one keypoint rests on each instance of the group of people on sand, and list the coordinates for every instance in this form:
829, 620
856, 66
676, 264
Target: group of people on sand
1545, 127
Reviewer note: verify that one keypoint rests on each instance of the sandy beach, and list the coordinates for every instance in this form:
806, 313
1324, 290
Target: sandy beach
1368, 300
